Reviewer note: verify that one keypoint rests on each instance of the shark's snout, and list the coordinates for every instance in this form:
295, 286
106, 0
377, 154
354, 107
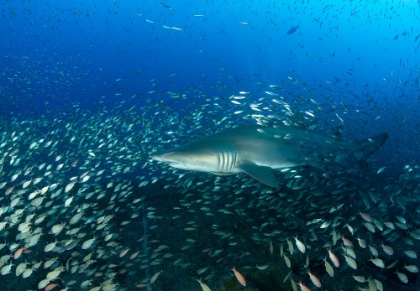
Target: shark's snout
161, 156
168, 157
155, 157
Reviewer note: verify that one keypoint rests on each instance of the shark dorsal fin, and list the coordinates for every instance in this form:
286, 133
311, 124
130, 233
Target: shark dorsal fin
263, 174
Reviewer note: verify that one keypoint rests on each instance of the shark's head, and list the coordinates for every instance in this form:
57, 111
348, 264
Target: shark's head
194, 158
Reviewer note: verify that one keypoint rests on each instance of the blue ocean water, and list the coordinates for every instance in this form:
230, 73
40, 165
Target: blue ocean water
126, 73
65, 53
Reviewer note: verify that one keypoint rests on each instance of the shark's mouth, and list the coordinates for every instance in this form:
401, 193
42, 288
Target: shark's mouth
170, 163
177, 165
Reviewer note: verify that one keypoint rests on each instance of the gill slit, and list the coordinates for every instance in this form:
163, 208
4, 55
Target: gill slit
226, 160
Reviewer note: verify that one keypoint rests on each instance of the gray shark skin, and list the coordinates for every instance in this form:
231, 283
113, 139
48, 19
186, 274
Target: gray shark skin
257, 150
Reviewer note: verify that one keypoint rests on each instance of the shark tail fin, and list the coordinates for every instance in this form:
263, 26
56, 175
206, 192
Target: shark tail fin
365, 148
336, 133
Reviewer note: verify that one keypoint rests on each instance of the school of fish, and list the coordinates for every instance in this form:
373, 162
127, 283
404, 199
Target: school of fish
75, 213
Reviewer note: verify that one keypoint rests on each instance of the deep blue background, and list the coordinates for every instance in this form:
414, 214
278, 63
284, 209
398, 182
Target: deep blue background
363, 54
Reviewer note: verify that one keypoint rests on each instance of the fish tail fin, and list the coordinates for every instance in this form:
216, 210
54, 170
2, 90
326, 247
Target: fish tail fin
365, 148
336, 133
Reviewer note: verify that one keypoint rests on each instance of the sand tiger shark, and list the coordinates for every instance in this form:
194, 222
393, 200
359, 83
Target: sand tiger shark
258, 150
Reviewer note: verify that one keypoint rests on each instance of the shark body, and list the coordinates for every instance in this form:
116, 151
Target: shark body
258, 150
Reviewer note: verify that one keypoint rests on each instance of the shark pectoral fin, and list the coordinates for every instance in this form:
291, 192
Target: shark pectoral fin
263, 174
